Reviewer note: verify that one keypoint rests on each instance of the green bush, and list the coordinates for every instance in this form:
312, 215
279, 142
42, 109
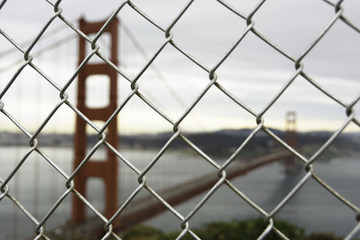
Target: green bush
323, 236
142, 232
234, 230
242, 230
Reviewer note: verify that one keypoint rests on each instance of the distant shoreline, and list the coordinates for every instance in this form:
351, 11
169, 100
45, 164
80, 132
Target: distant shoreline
218, 143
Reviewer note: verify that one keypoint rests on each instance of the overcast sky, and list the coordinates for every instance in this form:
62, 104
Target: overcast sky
253, 73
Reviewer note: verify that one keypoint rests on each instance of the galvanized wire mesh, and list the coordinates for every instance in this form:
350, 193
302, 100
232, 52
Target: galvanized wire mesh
214, 82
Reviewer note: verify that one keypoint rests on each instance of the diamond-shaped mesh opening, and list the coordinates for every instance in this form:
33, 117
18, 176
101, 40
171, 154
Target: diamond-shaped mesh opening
190, 79
15, 155
95, 191
57, 128
351, 12
309, 103
35, 105
173, 8
174, 170
10, 20
255, 69
135, 111
35, 173
245, 7
269, 184
12, 217
320, 200
12, 60
104, 44
337, 162
209, 31
136, 49
291, 23
342, 62
214, 209
216, 112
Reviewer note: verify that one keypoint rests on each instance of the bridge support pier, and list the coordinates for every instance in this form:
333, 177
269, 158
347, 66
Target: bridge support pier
291, 140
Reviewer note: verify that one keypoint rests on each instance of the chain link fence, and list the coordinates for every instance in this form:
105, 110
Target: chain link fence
214, 82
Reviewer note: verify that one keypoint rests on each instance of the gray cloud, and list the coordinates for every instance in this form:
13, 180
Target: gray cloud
253, 73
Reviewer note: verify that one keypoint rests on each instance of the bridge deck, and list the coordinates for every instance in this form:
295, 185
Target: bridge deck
147, 207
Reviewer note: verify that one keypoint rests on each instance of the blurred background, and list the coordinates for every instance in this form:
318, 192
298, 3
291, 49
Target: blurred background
254, 74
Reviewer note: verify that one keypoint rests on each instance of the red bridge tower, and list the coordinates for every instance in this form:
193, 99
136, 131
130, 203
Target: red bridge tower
106, 169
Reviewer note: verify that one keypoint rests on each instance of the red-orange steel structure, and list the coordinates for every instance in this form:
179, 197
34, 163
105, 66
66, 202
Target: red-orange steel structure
148, 206
106, 169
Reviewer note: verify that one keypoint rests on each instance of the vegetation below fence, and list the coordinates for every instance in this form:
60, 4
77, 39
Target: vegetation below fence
234, 230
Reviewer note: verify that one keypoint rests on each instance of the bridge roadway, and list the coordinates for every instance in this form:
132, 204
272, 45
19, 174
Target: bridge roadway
147, 207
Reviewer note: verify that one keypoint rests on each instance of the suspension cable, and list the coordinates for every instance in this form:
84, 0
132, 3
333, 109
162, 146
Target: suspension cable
158, 73
39, 53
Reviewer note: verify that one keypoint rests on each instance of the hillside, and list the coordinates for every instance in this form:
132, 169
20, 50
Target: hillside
217, 143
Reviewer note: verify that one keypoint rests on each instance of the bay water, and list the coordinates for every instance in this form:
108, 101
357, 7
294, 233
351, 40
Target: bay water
37, 185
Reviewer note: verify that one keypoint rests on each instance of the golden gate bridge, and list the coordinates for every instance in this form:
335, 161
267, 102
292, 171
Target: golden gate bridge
107, 169
147, 207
